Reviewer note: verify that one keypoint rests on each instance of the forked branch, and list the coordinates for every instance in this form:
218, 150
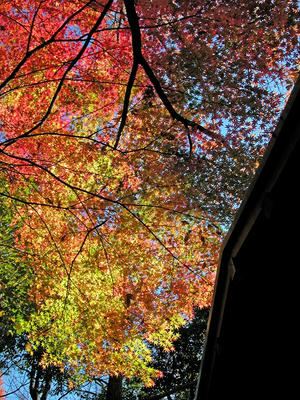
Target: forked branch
139, 59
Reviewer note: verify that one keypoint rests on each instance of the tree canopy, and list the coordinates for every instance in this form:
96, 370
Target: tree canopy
180, 367
129, 133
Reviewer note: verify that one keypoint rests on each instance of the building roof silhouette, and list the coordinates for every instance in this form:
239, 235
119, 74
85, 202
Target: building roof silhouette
251, 331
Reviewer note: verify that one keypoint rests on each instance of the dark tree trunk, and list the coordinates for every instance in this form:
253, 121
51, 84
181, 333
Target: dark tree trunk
34, 379
40, 379
114, 388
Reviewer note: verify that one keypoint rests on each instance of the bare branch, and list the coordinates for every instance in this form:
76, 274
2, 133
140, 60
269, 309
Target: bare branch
14, 391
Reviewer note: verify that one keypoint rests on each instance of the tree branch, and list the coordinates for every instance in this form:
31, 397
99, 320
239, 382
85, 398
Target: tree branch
126, 100
116, 202
70, 66
40, 46
160, 396
133, 21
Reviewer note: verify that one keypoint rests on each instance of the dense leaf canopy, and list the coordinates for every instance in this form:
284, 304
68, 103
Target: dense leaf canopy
129, 133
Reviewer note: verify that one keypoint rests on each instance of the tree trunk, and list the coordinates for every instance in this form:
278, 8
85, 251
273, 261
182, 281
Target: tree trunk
114, 388
33, 386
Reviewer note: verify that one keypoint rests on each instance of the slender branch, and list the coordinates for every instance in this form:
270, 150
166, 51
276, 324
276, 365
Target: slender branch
57, 178
52, 239
32, 25
80, 80
174, 211
70, 66
162, 395
33, 203
85, 239
69, 273
41, 46
13, 391
126, 100
161, 242
116, 202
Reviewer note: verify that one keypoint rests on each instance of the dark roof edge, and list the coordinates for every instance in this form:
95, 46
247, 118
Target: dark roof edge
264, 172
281, 145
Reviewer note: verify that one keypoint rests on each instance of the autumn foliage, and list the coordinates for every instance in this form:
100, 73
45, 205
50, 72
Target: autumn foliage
2, 391
129, 130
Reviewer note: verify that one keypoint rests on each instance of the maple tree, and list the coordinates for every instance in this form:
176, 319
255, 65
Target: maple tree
117, 162
180, 368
